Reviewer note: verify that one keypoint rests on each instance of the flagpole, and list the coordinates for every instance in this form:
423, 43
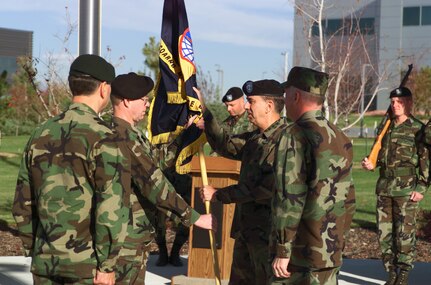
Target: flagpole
208, 211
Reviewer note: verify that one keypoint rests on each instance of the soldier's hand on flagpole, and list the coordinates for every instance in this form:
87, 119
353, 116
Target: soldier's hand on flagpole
201, 124
201, 98
207, 193
192, 120
207, 221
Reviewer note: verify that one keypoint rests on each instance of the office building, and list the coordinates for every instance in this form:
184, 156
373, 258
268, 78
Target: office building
13, 44
395, 32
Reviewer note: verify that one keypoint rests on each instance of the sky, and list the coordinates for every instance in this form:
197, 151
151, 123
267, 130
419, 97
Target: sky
242, 39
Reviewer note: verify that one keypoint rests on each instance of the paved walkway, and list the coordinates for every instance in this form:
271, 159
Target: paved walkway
14, 270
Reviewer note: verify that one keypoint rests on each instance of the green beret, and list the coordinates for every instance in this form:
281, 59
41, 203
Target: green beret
131, 86
94, 66
266, 87
308, 80
400, 92
232, 94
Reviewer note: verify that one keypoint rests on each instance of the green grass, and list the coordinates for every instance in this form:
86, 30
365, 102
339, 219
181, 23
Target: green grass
11, 149
365, 181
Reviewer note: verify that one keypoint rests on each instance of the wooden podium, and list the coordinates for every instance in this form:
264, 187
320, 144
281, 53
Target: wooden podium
221, 172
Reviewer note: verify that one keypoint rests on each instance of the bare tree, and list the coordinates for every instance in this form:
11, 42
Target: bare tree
344, 48
53, 91
206, 85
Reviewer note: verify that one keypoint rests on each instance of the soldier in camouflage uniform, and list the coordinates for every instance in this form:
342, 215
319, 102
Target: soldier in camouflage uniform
314, 203
252, 219
149, 187
404, 173
69, 198
237, 122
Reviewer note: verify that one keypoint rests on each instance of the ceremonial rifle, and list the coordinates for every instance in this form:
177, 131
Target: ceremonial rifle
384, 125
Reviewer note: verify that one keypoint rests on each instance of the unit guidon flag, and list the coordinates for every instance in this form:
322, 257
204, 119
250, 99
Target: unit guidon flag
175, 101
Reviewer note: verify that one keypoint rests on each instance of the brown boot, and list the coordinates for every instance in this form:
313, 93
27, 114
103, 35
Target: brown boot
403, 278
392, 277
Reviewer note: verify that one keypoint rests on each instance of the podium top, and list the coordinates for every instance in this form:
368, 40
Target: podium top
216, 164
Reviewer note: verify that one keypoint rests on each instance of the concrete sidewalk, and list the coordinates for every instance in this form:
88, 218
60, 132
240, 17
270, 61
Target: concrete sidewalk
14, 270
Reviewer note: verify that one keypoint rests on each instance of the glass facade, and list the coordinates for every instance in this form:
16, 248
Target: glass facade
336, 26
426, 15
367, 26
411, 16
9, 64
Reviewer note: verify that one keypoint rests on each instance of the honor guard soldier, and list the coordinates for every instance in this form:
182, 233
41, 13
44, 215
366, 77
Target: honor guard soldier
237, 122
404, 174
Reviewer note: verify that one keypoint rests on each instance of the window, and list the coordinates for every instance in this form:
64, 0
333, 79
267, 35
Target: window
366, 26
411, 16
426, 15
315, 29
334, 26
339, 26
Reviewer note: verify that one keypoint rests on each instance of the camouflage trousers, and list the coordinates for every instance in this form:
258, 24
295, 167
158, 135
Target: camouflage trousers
131, 270
326, 276
56, 280
396, 222
250, 263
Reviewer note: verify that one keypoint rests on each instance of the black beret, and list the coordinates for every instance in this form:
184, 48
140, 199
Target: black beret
131, 86
400, 92
232, 94
266, 87
93, 65
308, 80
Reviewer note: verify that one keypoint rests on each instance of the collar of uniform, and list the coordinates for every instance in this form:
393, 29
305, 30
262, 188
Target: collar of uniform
238, 117
121, 122
271, 129
122, 127
82, 107
312, 114
124, 124
408, 122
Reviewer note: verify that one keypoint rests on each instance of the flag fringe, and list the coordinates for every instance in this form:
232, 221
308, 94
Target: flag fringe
166, 137
187, 152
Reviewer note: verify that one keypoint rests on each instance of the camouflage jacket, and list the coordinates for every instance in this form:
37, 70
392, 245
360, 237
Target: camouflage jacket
256, 186
427, 134
315, 200
69, 200
150, 188
237, 124
403, 160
